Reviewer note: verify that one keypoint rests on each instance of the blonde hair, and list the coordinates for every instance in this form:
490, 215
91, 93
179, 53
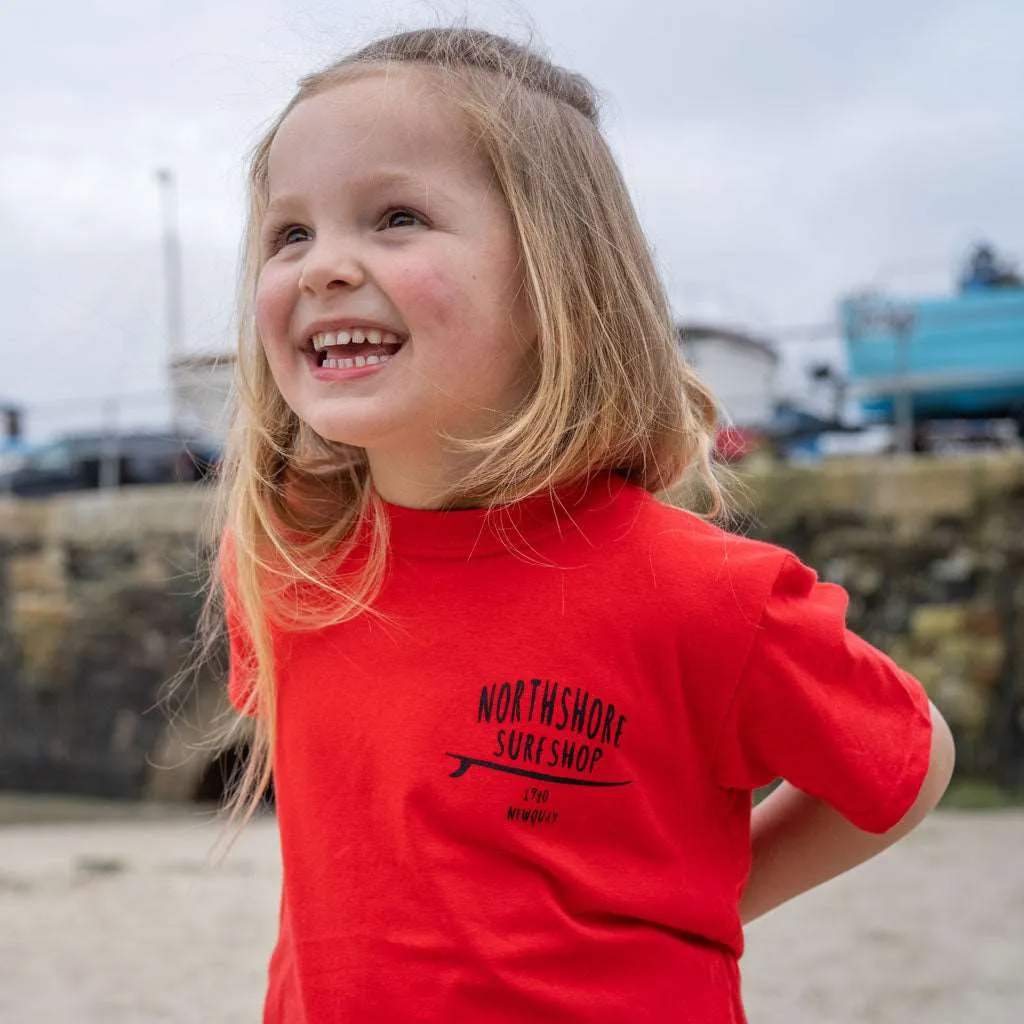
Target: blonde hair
612, 391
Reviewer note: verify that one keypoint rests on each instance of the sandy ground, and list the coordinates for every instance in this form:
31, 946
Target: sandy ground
110, 921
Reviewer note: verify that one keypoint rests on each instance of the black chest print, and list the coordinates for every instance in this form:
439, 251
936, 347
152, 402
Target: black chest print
542, 730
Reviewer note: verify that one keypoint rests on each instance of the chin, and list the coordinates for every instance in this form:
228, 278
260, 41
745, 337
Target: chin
339, 434
355, 432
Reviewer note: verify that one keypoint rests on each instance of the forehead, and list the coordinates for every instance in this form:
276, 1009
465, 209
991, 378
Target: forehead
390, 118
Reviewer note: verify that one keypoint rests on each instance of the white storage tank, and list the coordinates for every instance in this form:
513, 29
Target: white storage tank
739, 368
201, 388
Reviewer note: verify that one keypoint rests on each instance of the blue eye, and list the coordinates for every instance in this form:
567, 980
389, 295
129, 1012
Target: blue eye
290, 234
401, 219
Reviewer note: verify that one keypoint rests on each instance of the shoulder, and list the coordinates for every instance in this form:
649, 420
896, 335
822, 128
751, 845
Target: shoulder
679, 541
693, 580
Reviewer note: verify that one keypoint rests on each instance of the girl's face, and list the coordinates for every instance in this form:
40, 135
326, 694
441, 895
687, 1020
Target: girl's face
391, 303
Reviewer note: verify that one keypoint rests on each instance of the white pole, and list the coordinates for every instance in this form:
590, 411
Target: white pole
173, 290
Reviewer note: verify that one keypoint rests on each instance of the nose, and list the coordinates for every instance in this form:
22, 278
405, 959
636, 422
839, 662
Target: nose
331, 265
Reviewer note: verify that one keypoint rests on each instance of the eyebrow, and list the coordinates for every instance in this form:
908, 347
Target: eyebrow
376, 180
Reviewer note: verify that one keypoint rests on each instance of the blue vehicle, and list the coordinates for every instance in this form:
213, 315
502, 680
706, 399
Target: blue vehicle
954, 358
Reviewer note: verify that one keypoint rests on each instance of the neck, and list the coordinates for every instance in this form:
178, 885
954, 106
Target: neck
417, 480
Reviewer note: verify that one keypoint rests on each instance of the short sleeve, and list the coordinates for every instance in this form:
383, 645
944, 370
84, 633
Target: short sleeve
241, 656
820, 707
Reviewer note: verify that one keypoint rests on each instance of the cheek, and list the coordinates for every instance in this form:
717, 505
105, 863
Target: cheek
436, 294
273, 305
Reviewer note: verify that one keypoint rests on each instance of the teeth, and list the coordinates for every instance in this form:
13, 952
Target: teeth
328, 339
352, 362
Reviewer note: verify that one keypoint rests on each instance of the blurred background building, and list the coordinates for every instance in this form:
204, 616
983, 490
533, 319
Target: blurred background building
740, 369
200, 386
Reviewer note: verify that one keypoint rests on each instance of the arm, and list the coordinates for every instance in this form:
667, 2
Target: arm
798, 842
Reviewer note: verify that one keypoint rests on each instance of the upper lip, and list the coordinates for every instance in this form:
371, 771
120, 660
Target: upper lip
347, 324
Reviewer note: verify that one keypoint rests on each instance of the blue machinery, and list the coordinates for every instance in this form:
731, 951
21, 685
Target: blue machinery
937, 359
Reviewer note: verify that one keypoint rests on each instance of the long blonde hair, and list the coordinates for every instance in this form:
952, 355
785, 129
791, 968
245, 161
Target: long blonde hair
612, 391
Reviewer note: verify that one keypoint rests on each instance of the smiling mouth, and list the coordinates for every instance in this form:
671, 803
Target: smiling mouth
343, 350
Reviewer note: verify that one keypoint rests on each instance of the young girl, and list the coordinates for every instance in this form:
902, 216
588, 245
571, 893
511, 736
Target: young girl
514, 705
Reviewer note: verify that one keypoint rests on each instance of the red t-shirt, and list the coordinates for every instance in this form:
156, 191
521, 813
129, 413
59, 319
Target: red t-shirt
520, 793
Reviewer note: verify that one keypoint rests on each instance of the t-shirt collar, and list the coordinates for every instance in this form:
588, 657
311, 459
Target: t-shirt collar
461, 533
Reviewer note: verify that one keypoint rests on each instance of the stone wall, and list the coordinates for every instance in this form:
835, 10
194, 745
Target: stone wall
99, 596
931, 551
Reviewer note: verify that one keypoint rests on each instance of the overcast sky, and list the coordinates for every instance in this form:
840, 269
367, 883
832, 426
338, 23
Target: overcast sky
781, 153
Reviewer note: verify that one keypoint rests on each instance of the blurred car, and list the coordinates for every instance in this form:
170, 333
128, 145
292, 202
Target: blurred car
85, 462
